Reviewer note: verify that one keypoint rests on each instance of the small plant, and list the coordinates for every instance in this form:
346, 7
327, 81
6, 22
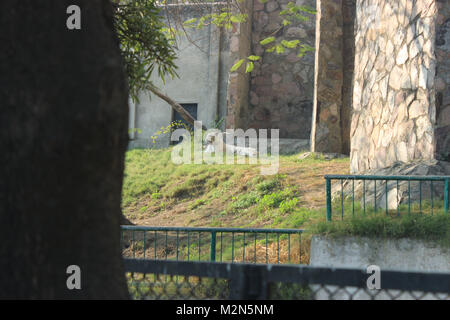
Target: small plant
274, 199
244, 201
296, 219
288, 205
169, 128
134, 130
267, 186
217, 123
156, 195
197, 203
418, 226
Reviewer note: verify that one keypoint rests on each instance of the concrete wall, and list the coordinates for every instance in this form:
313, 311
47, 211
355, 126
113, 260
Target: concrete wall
203, 70
393, 254
402, 254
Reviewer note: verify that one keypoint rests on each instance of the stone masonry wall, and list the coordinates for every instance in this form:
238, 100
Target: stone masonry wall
328, 81
443, 80
281, 87
333, 76
348, 13
238, 113
394, 95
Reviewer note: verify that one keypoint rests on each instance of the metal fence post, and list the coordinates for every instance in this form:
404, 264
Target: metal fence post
328, 187
213, 246
248, 282
446, 196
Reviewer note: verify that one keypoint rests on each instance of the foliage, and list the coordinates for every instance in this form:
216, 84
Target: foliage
244, 201
169, 128
288, 205
428, 227
291, 13
148, 42
218, 122
267, 186
144, 45
197, 203
156, 195
274, 200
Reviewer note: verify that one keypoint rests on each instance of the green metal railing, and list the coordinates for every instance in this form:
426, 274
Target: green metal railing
213, 244
430, 183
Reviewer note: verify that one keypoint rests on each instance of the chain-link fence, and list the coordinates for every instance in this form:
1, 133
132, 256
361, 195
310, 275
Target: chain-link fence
154, 279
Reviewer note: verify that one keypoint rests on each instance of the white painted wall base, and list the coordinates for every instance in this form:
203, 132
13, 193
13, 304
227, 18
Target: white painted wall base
400, 254
394, 254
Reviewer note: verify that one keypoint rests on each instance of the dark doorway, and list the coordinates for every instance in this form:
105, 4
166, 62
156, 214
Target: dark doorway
176, 117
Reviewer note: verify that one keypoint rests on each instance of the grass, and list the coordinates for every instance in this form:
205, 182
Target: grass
157, 192
417, 226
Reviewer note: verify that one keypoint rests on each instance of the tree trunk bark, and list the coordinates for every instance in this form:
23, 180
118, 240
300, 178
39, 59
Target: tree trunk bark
64, 116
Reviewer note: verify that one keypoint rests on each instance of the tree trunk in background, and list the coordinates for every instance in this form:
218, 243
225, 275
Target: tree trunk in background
64, 116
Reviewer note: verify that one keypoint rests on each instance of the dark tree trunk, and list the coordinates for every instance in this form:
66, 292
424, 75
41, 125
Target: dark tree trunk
63, 104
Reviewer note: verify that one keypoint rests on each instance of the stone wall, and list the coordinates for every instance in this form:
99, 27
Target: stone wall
328, 78
443, 80
238, 113
394, 95
333, 76
281, 86
349, 15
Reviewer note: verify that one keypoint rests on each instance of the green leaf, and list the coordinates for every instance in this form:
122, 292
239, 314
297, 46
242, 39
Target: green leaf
304, 48
240, 18
290, 44
301, 17
237, 65
249, 67
253, 58
190, 21
308, 9
290, 5
234, 19
263, 1
286, 22
267, 40
279, 49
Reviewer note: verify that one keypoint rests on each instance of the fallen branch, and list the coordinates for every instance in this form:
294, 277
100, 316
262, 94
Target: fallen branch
176, 106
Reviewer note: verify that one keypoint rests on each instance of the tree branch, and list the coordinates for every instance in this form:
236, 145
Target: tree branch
176, 106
